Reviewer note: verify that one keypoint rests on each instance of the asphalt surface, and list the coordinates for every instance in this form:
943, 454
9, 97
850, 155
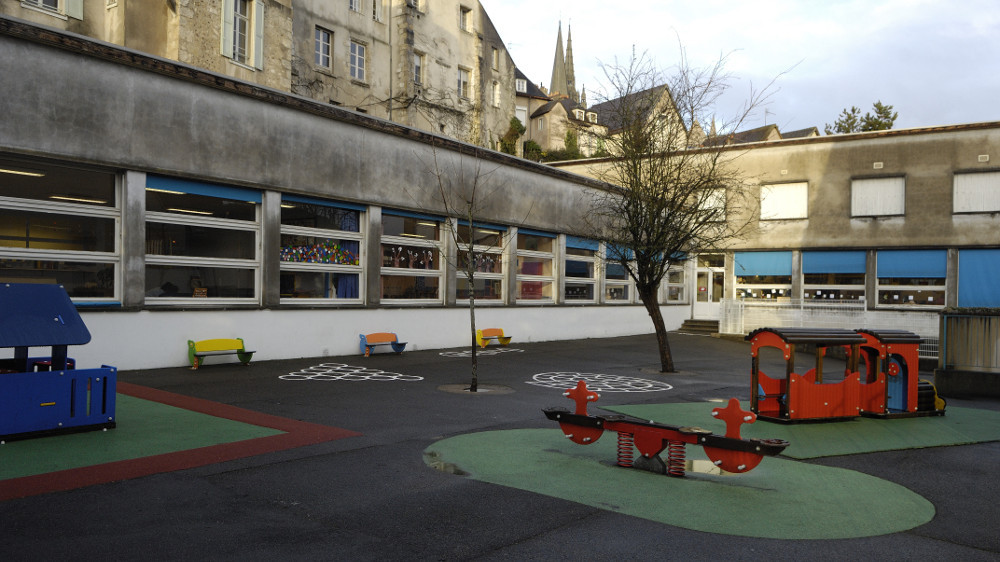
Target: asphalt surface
373, 496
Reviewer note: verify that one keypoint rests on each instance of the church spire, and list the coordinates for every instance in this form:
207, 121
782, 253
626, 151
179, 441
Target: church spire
557, 85
570, 74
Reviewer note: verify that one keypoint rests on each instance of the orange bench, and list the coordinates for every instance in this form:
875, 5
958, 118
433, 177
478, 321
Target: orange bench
370, 341
483, 337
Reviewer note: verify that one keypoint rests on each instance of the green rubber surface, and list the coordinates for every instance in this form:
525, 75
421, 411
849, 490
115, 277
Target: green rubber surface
145, 428
959, 426
779, 499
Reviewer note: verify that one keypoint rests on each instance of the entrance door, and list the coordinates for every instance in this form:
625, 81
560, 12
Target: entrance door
710, 282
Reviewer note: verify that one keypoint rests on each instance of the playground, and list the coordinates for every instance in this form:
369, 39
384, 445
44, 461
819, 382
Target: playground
379, 458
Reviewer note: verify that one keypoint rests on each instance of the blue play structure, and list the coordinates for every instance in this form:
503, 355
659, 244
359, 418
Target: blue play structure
41, 395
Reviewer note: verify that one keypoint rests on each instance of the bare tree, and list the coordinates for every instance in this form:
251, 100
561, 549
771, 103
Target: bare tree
679, 190
465, 191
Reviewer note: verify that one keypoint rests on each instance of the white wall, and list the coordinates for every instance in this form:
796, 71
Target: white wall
153, 339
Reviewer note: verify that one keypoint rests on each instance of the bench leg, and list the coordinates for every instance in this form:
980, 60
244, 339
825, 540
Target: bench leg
368, 351
195, 363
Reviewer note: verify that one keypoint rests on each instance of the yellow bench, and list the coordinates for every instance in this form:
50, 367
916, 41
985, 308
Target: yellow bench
197, 350
483, 337
370, 341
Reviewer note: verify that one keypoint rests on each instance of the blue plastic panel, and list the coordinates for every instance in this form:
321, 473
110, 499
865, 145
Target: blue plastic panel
978, 276
39, 315
913, 263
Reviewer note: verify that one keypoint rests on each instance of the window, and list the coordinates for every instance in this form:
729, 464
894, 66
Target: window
465, 19
591, 117
496, 94
784, 201
411, 264
463, 83
521, 85
418, 68
202, 242
487, 243
580, 270
354, 5
912, 277
873, 197
496, 58
243, 31
377, 10
578, 114
323, 48
522, 115
535, 257
357, 62
541, 123
833, 275
976, 192
713, 205
763, 275
59, 8
60, 225
675, 285
320, 250
618, 285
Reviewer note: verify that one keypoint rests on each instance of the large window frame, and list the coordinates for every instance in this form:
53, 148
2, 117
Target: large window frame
321, 251
834, 275
911, 278
580, 270
61, 224
357, 62
323, 54
763, 275
488, 247
464, 79
536, 259
197, 209
243, 32
411, 259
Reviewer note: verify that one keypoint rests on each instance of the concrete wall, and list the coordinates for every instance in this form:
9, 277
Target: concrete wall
927, 158
83, 102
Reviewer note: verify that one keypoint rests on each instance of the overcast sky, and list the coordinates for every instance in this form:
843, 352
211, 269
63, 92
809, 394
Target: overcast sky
937, 62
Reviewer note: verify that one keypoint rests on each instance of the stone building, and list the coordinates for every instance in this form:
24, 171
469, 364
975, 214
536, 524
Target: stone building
437, 66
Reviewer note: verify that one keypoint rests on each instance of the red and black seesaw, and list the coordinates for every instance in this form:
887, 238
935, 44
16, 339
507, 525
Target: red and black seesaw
730, 453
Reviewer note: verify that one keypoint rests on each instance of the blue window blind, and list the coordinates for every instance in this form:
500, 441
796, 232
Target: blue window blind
612, 253
535, 233
978, 276
833, 262
763, 263
202, 188
409, 215
323, 202
581, 243
913, 263
484, 225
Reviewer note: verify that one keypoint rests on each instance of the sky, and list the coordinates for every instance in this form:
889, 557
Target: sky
937, 62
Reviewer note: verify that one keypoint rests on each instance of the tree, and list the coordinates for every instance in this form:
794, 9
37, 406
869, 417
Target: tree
851, 121
465, 191
532, 150
668, 200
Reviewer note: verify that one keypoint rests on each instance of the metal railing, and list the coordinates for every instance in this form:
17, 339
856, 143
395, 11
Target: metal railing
742, 316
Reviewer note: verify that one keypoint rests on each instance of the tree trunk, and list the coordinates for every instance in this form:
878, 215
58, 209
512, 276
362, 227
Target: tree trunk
474, 386
652, 305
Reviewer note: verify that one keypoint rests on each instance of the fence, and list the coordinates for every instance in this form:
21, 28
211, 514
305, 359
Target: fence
745, 315
971, 342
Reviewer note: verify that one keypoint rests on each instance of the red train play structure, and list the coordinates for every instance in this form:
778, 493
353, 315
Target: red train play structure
730, 453
880, 378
